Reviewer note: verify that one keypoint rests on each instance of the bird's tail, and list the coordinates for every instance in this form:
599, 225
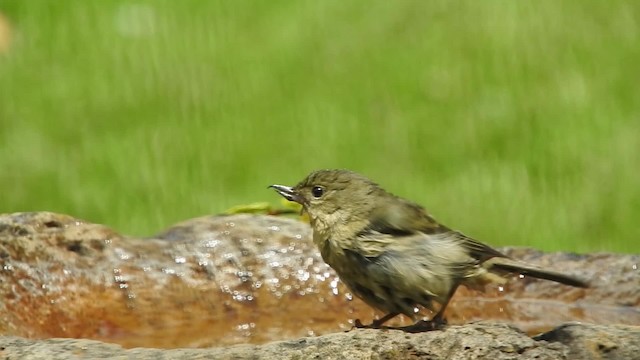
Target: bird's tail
513, 266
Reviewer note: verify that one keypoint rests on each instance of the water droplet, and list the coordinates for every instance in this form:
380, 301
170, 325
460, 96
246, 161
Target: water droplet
303, 275
244, 326
239, 297
123, 255
334, 286
168, 271
212, 243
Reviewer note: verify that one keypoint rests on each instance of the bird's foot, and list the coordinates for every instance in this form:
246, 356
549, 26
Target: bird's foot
375, 324
423, 326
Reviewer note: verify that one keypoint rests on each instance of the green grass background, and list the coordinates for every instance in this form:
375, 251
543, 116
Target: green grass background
517, 122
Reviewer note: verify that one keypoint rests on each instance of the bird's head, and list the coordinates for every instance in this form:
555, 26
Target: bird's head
336, 200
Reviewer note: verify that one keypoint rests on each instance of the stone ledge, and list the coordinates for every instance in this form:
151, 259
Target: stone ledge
225, 280
480, 340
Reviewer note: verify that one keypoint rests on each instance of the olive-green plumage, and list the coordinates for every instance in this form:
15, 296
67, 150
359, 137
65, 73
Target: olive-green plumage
390, 252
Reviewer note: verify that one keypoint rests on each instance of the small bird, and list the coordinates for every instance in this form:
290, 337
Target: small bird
391, 253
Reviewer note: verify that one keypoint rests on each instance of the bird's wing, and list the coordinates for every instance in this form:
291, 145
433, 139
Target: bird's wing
402, 218
437, 258
477, 250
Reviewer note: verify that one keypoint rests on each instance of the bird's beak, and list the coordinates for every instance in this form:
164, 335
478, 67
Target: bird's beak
288, 193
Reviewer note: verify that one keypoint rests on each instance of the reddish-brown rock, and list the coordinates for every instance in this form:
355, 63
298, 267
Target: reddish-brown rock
481, 340
223, 280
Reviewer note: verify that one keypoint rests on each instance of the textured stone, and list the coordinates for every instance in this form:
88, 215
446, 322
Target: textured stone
222, 280
472, 341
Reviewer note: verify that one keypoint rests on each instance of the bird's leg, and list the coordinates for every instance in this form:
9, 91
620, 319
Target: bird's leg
437, 321
376, 324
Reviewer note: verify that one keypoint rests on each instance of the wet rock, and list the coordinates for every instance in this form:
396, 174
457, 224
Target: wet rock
536, 305
212, 280
597, 341
222, 280
472, 341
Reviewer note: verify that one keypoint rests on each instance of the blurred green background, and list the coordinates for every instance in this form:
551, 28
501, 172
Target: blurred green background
517, 122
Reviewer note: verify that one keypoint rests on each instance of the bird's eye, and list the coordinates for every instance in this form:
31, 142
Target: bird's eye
317, 191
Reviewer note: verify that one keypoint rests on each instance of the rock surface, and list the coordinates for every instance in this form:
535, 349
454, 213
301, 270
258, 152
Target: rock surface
222, 280
472, 341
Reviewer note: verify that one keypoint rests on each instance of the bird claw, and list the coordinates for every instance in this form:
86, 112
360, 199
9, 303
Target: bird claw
424, 326
357, 324
417, 327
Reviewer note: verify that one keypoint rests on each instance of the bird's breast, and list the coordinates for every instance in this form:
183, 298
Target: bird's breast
332, 254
